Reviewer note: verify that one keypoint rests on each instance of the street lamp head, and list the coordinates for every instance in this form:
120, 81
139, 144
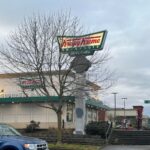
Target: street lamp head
114, 93
2, 91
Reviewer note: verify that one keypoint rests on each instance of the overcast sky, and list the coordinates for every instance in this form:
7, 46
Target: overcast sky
128, 39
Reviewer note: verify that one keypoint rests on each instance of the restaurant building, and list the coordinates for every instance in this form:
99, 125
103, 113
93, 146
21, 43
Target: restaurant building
18, 109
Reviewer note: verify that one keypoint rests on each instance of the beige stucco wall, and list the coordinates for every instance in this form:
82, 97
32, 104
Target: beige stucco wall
9, 86
20, 115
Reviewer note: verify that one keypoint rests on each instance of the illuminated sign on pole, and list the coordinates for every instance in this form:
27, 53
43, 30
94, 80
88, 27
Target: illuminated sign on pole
82, 45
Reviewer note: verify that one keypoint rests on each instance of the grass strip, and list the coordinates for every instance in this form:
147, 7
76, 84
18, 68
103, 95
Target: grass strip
73, 147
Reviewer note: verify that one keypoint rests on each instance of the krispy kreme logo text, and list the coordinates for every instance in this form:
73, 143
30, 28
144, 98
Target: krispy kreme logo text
30, 82
94, 39
80, 42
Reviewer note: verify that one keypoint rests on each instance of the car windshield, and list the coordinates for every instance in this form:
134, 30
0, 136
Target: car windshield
8, 130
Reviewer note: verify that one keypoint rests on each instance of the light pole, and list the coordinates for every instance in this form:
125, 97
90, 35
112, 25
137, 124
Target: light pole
114, 93
124, 102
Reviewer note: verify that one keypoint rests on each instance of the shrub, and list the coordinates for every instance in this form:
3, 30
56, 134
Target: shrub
33, 126
97, 128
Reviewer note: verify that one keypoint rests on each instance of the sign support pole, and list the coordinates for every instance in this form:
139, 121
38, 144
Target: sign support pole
80, 64
80, 106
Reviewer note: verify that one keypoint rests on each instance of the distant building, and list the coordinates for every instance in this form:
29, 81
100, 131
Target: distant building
132, 117
146, 121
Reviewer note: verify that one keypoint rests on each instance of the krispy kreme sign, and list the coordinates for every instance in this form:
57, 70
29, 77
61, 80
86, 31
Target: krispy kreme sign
30, 83
85, 44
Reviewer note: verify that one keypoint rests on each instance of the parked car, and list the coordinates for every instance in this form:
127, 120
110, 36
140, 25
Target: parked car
118, 126
11, 139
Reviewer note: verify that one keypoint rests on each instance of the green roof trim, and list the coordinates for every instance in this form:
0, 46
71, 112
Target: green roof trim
39, 99
96, 103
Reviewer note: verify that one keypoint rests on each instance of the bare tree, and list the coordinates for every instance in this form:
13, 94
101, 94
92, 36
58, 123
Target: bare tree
100, 72
33, 49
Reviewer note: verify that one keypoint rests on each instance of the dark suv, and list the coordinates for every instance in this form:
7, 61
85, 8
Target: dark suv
10, 139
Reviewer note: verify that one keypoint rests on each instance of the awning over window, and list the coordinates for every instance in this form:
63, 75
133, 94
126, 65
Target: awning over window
40, 99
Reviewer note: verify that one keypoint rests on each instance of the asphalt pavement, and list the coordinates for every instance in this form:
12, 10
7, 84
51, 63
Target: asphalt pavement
127, 147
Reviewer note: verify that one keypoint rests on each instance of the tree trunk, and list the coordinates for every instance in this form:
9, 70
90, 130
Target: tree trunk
59, 129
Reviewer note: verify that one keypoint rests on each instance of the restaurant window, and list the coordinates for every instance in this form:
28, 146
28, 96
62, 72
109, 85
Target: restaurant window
69, 113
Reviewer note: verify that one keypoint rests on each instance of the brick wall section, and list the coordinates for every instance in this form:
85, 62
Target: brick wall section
101, 115
139, 110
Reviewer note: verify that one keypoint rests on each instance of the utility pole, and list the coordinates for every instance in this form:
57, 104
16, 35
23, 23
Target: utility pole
124, 101
114, 93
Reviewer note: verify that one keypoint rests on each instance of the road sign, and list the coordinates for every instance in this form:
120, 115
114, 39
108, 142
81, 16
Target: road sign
82, 45
147, 101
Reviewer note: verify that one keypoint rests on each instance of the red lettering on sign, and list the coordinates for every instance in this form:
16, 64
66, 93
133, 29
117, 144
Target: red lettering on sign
83, 41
